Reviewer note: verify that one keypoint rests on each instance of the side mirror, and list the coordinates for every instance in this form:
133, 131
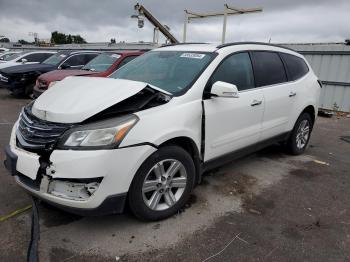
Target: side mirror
223, 89
23, 60
64, 66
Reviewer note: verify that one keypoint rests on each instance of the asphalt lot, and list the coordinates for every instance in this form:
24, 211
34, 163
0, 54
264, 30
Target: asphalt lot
268, 206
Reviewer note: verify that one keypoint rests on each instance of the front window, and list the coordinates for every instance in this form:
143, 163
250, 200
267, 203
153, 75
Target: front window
101, 62
172, 71
55, 59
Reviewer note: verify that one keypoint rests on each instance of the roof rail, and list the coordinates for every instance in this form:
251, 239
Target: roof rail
252, 43
189, 43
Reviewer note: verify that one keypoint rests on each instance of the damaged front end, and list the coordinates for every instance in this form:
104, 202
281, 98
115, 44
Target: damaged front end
41, 137
44, 138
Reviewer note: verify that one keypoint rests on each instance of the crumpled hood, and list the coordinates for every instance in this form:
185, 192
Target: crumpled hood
75, 99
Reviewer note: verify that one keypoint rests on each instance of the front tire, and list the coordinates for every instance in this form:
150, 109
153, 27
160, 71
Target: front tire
300, 136
163, 184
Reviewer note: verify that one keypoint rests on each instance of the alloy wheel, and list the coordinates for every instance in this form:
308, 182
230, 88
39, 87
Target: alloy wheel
164, 184
303, 134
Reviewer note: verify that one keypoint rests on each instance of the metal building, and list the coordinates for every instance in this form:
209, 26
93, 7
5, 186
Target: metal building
331, 63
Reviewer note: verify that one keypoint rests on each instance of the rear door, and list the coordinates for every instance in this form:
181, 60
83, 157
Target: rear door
233, 123
271, 78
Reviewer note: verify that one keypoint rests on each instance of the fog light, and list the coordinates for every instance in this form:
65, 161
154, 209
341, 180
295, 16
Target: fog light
72, 190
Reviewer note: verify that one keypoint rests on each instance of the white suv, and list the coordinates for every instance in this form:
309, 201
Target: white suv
145, 135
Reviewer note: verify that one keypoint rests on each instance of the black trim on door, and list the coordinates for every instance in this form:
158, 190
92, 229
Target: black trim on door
221, 160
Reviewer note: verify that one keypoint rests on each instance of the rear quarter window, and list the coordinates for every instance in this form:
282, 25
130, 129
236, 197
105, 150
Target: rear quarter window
295, 66
268, 68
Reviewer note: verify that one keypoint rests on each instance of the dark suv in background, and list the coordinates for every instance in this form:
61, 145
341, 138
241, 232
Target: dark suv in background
20, 79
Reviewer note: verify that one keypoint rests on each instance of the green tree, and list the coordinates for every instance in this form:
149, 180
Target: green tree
4, 40
69, 39
61, 38
23, 42
79, 40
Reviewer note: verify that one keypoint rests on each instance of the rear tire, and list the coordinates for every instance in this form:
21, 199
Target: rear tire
163, 184
300, 135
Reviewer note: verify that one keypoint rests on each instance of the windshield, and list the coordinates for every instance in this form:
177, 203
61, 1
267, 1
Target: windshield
9, 57
172, 71
101, 62
54, 59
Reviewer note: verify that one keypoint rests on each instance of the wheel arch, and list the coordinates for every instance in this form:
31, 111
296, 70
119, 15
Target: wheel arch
189, 146
310, 109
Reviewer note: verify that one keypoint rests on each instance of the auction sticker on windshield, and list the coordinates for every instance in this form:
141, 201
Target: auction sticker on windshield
193, 55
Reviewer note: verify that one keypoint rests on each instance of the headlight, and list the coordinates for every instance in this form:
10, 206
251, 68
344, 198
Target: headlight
100, 135
52, 83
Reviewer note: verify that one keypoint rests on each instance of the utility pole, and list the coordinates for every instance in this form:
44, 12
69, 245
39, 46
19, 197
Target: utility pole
35, 35
227, 11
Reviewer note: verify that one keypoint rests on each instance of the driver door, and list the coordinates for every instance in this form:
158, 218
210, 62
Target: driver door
233, 123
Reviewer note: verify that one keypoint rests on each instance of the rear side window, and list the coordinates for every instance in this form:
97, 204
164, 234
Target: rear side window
38, 57
76, 60
296, 67
45, 56
88, 58
126, 60
235, 69
268, 68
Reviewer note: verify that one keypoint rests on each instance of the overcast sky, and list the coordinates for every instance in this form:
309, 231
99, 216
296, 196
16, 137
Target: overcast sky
97, 21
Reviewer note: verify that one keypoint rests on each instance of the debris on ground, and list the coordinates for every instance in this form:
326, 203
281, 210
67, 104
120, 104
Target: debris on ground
325, 113
15, 213
321, 162
253, 211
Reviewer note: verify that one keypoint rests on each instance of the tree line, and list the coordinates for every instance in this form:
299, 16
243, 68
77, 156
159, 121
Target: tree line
61, 38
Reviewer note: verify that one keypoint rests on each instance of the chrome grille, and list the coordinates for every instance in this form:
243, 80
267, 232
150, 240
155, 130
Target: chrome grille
34, 133
3, 78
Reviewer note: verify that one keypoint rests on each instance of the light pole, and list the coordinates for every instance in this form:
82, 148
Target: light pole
142, 12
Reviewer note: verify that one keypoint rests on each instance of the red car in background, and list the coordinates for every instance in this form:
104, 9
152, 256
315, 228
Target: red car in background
101, 66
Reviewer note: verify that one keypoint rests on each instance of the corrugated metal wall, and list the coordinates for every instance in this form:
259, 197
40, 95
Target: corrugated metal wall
331, 63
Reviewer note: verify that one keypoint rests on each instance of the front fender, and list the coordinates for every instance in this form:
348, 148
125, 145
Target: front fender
159, 124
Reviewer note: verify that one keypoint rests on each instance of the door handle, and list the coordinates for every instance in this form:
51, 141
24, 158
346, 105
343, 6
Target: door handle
291, 94
256, 102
